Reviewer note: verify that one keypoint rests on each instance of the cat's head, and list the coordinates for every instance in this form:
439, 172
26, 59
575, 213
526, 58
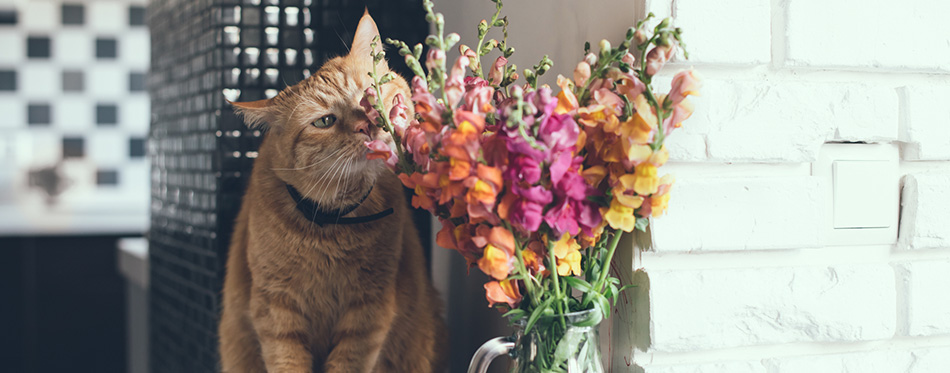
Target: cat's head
316, 129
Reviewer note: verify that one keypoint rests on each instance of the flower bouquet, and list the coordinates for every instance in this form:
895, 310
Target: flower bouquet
533, 187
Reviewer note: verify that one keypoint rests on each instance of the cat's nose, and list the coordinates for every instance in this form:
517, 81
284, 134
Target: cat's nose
362, 126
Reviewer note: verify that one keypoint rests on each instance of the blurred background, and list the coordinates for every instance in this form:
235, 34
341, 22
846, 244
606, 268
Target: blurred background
74, 112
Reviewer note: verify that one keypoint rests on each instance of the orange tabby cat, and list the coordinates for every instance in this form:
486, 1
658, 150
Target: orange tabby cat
344, 294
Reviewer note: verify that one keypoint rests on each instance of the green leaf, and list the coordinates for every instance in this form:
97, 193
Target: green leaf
595, 317
642, 224
536, 314
603, 304
515, 314
577, 283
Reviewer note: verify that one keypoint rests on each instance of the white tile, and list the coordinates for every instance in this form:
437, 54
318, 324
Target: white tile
134, 114
45, 149
74, 48
14, 112
74, 113
107, 81
39, 81
134, 48
39, 15
14, 47
107, 15
107, 148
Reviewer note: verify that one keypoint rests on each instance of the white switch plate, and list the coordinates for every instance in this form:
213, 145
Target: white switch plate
861, 193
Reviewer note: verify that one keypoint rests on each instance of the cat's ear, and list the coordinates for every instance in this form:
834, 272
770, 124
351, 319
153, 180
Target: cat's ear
366, 32
256, 113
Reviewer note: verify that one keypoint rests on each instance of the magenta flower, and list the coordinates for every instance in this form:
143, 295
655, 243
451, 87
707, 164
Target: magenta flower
497, 72
523, 169
369, 99
526, 215
559, 132
562, 218
536, 194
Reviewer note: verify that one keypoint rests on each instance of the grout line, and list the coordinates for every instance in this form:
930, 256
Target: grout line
788, 350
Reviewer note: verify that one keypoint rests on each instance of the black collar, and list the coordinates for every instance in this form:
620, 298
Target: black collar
312, 211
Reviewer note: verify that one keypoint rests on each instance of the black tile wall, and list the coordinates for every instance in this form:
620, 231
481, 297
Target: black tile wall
73, 14
199, 50
136, 147
38, 114
8, 17
7, 80
107, 177
107, 114
136, 81
136, 15
74, 147
37, 47
106, 48
73, 81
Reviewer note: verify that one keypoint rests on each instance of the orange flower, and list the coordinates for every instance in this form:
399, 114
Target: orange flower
505, 291
566, 101
495, 262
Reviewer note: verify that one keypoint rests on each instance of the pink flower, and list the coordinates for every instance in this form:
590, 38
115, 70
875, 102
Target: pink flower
455, 84
526, 215
561, 218
536, 194
524, 169
369, 99
559, 132
435, 58
398, 115
381, 150
477, 96
581, 73
497, 72
685, 83
657, 57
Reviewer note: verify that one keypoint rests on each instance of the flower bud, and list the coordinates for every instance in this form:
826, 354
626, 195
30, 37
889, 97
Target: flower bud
640, 37
451, 39
482, 28
604, 47
497, 73
664, 23
591, 59
628, 59
657, 57
435, 58
417, 50
631, 32
581, 73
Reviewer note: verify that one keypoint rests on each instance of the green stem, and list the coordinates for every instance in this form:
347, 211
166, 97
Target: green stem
605, 265
554, 281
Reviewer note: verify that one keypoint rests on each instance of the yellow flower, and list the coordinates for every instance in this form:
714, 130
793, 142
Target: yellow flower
567, 252
620, 216
659, 204
622, 189
495, 262
647, 181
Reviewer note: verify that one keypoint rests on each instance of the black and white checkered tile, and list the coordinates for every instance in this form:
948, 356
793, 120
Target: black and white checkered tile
74, 115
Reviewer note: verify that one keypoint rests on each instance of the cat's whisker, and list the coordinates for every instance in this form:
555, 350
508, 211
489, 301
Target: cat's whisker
317, 163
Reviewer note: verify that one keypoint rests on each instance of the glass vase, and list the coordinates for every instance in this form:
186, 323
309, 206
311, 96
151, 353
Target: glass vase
568, 344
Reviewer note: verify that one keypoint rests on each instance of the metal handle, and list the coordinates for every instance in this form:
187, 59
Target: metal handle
488, 352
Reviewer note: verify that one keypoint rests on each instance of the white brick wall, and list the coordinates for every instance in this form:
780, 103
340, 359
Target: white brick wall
739, 275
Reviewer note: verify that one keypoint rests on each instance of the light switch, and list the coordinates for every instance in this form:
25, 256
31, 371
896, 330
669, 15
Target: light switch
861, 193
859, 187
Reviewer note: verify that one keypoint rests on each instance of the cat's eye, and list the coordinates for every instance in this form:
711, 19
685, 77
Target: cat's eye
326, 122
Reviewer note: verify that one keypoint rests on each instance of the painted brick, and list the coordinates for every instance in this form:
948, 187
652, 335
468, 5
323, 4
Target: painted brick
863, 362
719, 41
686, 147
769, 121
853, 33
925, 205
927, 301
925, 122
692, 310
717, 367
740, 213
930, 360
